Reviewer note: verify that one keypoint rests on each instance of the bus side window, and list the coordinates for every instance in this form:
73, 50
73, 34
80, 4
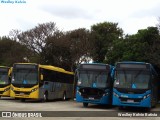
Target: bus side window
46, 83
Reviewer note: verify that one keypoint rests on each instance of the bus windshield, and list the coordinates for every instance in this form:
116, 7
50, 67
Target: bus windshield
25, 76
4, 78
96, 79
134, 79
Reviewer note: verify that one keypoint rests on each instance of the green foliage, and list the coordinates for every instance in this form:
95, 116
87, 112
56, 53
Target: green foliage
56, 51
66, 49
35, 39
103, 35
105, 43
143, 46
11, 52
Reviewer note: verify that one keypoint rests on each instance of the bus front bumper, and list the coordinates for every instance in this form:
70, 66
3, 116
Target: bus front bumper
103, 100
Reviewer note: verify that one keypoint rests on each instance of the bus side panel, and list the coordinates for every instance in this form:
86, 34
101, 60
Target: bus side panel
41, 92
70, 91
52, 89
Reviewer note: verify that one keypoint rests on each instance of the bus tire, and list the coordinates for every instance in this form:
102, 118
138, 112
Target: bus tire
85, 104
64, 96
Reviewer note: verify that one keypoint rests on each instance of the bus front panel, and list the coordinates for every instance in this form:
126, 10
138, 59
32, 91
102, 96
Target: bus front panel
18, 92
132, 99
132, 85
93, 84
93, 95
25, 81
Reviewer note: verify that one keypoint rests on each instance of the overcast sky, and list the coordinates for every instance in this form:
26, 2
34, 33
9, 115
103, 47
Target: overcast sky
131, 15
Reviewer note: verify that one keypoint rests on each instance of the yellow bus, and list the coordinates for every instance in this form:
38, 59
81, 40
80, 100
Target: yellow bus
5, 81
41, 82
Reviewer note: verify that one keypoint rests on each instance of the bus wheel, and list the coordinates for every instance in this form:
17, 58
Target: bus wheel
23, 100
64, 96
45, 97
85, 104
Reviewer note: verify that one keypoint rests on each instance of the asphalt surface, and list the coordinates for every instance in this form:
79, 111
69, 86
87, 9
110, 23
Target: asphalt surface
70, 110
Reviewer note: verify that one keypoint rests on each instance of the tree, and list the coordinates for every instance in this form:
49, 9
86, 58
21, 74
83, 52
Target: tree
13, 34
65, 49
103, 35
11, 52
158, 25
142, 46
35, 39
80, 45
153, 39
56, 51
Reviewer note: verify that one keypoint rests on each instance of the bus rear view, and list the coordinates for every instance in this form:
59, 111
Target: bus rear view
135, 85
94, 84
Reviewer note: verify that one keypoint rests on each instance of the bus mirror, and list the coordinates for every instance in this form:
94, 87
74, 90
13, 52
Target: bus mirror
41, 77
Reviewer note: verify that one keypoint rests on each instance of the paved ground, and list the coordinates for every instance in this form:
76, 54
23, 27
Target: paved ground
69, 109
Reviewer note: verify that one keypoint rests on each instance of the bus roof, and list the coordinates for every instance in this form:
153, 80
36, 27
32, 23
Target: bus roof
4, 67
94, 64
102, 64
49, 67
143, 63
132, 62
27, 63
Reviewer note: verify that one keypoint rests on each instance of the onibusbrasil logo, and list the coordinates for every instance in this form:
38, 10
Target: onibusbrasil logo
13, 1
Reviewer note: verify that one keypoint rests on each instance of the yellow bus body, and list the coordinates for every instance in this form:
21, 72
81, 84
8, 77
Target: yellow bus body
32, 92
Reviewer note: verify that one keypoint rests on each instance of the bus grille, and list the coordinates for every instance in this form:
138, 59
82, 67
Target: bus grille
91, 92
134, 99
20, 92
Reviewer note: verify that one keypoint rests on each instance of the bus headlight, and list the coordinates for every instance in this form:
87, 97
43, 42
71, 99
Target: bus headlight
115, 94
79, 83
33, 89
146, 96
78, 92
6, 89
105, 94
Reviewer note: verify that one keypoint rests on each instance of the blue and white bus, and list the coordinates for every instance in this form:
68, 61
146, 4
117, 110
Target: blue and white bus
135, 84
94, 83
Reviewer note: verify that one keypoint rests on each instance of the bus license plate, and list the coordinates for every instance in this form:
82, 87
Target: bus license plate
130, 101
91, 98
21, 93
